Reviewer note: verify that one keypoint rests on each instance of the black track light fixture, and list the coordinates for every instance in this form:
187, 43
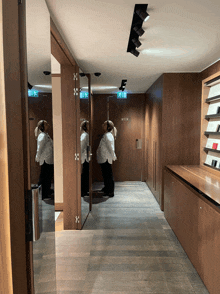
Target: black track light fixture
46, 72
97, 74
136, 42
138, 30
82, 74
29, 86
123, 84
135, 52
140, 15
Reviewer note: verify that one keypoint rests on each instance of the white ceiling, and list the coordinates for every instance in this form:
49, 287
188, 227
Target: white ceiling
180, 36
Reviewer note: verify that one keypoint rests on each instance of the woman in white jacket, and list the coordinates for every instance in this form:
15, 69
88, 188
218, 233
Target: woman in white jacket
106, 155
44, 156
84, 141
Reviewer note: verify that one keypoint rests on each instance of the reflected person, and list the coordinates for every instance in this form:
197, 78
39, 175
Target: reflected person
106, 155
84, 142
44, 156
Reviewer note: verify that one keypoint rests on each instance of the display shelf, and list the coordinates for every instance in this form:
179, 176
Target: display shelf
212, 133
210, 149
212, 99
212, 116
211, 166
213, 81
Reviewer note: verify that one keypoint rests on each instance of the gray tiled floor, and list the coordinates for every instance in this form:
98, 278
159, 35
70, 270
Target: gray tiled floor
126, 246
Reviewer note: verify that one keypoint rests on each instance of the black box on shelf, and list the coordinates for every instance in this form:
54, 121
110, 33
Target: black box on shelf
214, 163
218, 109
218, 128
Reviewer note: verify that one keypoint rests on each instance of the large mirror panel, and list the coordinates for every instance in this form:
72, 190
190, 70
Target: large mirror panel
84, 143
41, 143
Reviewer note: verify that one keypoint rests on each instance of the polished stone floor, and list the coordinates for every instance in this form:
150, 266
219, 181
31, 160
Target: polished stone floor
126, 246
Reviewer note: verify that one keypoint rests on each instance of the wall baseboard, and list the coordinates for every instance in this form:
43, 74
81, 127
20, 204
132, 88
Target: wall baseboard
58, 206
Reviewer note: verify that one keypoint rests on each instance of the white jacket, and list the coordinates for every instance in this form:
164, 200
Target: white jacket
84, 141
44, 149
106, 149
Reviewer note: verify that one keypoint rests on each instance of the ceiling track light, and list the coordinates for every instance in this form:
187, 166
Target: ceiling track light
138, 30
136, 42
123, 84
140, 15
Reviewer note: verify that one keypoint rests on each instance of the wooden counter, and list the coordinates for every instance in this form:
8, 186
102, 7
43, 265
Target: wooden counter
197, 177
191, 207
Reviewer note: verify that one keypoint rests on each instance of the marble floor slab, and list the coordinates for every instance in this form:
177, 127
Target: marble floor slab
126, 246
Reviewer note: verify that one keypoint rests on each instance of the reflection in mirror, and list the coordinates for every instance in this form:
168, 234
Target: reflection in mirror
41, 131
84, 141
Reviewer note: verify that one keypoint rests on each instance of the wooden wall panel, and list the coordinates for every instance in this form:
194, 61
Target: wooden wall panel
14, 194
39, 108
128, 166
211, 70
153, 129
69, 130
181, 119
195, 221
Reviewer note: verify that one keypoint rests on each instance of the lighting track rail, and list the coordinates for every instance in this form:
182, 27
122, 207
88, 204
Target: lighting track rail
140, 15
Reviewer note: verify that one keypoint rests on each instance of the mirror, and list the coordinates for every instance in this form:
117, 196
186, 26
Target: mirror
40, 109
84, 142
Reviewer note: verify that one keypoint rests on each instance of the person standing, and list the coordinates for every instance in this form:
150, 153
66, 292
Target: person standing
84, 141
106, 155
44, 156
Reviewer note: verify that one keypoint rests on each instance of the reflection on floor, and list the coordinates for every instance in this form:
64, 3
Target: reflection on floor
126, 247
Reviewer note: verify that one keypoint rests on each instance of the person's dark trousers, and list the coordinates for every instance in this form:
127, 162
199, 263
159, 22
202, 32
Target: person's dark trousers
107, 174
85, 178
45, 179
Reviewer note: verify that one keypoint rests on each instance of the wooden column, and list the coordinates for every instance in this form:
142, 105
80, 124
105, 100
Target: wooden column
69, 129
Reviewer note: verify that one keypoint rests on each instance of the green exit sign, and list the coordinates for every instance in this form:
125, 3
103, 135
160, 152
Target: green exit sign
121, 95
84, 95
33, 93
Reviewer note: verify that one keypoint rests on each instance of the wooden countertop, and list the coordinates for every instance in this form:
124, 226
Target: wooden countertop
195, 175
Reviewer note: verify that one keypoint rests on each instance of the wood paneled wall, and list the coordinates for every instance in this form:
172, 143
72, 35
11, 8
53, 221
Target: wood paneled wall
13, 245
128, 166
39, 108
153, 140
172, 125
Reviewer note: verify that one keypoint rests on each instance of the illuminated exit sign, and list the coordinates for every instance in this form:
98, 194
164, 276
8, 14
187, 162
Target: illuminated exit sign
32, 93
121, 95
84, 95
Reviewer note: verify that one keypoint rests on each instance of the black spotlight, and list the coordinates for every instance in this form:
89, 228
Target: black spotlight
82, 74
135, 52
136, 42
97, 74
47, 73
142, 14
29, 86
123, 84
138, 30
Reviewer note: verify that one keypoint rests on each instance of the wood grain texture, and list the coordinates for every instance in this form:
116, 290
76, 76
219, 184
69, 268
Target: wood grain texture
128, 166
153, 131
172, 123
55, 35
196, 223
69, 130
12, 199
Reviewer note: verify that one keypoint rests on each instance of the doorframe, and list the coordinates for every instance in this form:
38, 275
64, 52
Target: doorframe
69, 67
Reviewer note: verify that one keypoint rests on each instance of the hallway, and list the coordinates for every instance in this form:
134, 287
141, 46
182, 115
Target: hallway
126, 246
